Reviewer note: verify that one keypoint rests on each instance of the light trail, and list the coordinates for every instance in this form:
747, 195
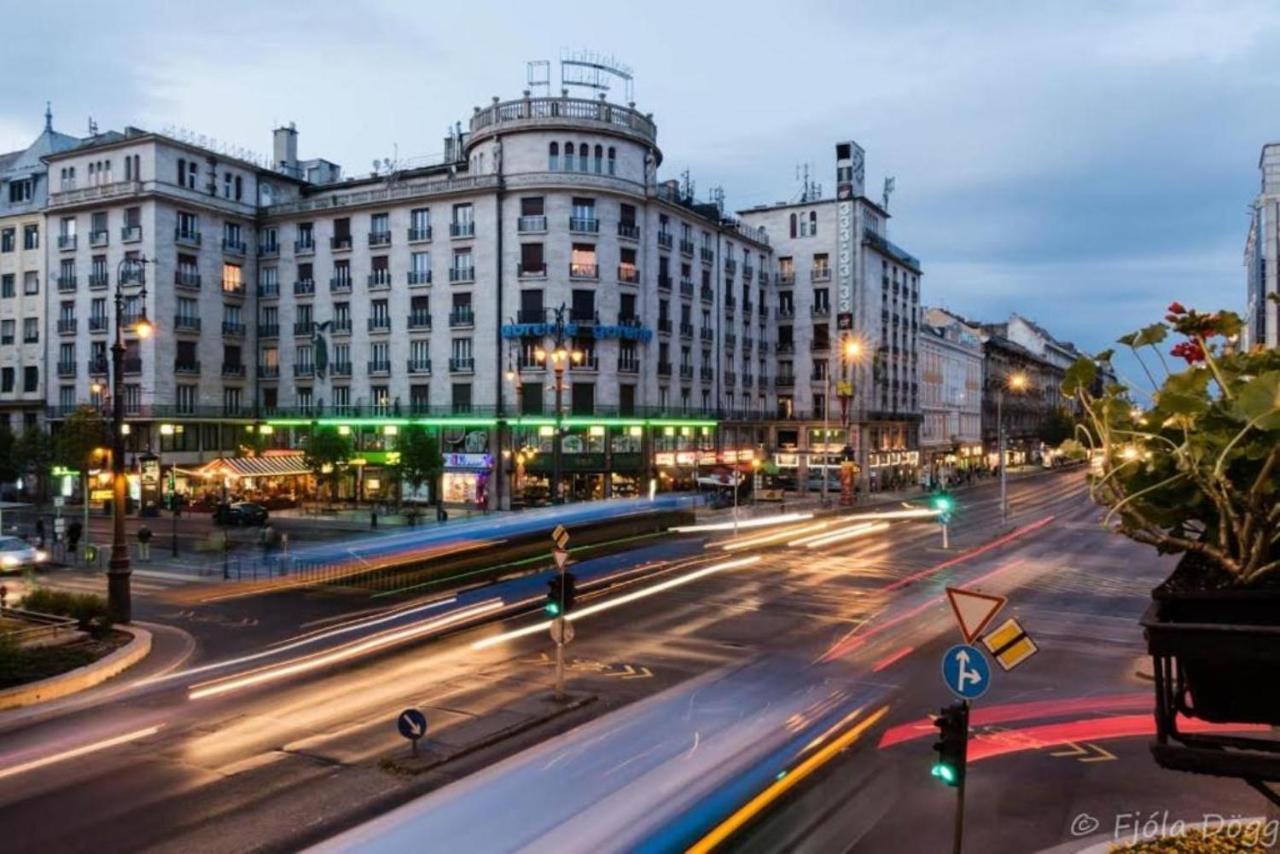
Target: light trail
782, 785
14, 770
761, 522
983, 549
295, 644
839, 536
735, 545
544, 625
354, 650
890, 660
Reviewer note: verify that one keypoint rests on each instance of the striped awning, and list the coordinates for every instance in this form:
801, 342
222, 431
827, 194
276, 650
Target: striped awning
268, 465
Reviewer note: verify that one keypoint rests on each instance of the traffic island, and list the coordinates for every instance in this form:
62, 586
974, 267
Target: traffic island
39, 674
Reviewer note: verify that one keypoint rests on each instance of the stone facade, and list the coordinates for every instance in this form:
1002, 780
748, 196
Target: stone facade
950, 392
1262, 255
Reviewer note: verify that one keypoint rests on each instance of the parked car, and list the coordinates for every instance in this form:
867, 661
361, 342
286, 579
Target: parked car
18, 554
240, 513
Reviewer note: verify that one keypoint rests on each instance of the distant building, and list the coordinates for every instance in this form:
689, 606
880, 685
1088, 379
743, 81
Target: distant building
1262, 255
24, 187
950, 393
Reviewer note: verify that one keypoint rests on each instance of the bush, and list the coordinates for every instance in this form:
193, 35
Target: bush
88, 609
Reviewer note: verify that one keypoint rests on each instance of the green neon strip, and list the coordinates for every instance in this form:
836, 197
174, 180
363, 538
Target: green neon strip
381, 422
529, 421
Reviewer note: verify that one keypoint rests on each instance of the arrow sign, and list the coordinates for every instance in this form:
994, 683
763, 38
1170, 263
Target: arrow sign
561, 556
966, 672
973, 610
412, 724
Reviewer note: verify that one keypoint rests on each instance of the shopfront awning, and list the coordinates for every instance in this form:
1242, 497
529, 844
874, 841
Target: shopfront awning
267, 465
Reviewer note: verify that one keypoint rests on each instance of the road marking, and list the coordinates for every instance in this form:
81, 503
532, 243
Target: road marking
1085, 752
79, 751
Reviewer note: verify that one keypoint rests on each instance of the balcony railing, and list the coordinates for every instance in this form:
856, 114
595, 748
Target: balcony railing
629, 230
98, 238
340, 369
664, 325
784, 347
231, 327
308, 370
628, 275
664, 282
66, 369
304, 287
66, 284
420, 234
380, 238
461, 317
706, 333
305, 246
235, 246
821, 345
379, 279
820, 274
747, 272
531, 271
98, 323
268, 372
584, 271
186, 278
708, 294
133, 366
584, 225
708, 255
664, 369
380, 324
340, 284
341, 325
268, 330
340, 244
531, 315
379, 366
787, 381
786, 278
419, 319
786, 312
99, 281
707, 374
67, 326
419, 277
186, 366
268, 290
686, 247
303, 327
419, 366
686, 288
233, 369
131, 233
462, 365
232, 287
686, 330
187, 237
664, 239
628, 366
686, 372
730, 266
97, 367
66, 242
462, 229
531, 224
462, 274
268, 250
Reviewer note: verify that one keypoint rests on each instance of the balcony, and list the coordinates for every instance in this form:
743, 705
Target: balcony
628, 319
664, 282
461, 317
231, 327
419, 277
585, 318
268, 290
234, 246
786, 312
133, 366
186, 278
531, 315
821, 345
532, 271
233, 370
686, 288
531, 224
628, 366
420, 319
98, 323
686, 247
462, 229
590, 363
67, 326
268, 372
730, 340
378, 367
818, 311
340, 243
707, 374
268, 330
686, 372
232, 287
99, 281
665, 239
764, 278
421, 234
706, 333
340, 369
730, 378
340, 285
747, 306
628, 275
131, 234
784, 382
99, 238
465, 365
302, 327
748, 379
584, 225
730, 266
304, 246
664, 325
379, 280
818, 376
341, 325
747, 272
462, 274
664, 369
708, 255
820, 274
309, 370
98, 367
268, 250
708, 294
66, 284
786, 279
380, 238
729, 305
686, 330
584, 271
66, 242
419, 366
628, 231
380, 324
66, 369
186, 366
186, 237
304, 287
784, 347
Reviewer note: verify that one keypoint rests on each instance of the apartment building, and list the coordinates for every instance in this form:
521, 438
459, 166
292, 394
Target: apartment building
1262, 255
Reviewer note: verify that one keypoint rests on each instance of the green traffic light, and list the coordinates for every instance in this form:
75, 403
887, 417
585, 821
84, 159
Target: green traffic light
943, 503
552, 609
945, 773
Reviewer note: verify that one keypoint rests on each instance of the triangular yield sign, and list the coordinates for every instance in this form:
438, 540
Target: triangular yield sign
561, 556
973, 610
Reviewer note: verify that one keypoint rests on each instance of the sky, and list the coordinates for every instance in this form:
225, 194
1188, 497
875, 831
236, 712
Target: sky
1083, 164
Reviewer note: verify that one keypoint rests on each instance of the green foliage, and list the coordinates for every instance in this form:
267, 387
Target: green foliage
1199, 470
19, 666
88, 609
80, 435
420, 460
9, 470
1057, 427
1073, 450
325, 451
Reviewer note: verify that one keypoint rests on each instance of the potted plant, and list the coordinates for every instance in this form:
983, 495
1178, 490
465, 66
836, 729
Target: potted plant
1197, 472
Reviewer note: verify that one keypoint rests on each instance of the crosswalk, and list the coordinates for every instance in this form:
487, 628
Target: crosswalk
144, 582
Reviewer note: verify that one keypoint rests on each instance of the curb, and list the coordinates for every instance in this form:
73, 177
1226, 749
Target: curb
82, 678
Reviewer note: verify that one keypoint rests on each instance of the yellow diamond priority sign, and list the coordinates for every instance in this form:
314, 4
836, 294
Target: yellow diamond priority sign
1010, 645
560, 536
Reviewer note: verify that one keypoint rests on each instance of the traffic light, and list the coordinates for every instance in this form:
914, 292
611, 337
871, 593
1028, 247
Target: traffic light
945, 504
952, 744
552, 606
570, 591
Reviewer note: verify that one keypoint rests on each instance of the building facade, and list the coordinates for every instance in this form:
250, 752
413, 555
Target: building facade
1261, 254
950, 394
24, 330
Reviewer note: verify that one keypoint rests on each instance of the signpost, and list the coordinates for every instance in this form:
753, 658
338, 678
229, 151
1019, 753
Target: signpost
973, 611
1010, 645
412, 724
561, 631
966, 672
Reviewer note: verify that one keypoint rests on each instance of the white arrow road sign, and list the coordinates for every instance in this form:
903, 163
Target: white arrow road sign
973, 611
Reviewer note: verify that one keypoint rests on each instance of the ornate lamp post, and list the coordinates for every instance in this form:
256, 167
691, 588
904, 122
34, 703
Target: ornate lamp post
850, 352
560, 356
1016, 383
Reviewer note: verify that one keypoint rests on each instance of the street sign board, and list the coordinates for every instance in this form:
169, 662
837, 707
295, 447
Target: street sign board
412, 724
560, 536
973, 611
966, 672
561, 630
561, 556
1010, 644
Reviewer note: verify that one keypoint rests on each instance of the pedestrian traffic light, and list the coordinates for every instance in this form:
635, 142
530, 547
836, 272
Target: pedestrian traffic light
944, 503
570, 590
553, 606
952, 745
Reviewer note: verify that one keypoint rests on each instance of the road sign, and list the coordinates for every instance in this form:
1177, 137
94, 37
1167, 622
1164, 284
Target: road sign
973, 610
560, 536
966, 671
561, 556
1010, 644
561, 630
412, 724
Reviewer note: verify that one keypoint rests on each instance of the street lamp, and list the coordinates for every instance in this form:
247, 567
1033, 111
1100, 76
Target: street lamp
559, 356
850, 351
1017, 382
119, 602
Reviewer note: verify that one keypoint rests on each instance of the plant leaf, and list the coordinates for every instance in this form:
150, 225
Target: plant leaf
1258, 400
1184, 393
1153, 334
1079, 376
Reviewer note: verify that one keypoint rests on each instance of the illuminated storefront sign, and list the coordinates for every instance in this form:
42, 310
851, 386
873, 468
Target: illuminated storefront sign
468, 461
574, 330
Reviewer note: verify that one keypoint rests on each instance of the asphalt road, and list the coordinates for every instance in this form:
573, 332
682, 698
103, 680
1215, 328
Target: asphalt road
274, 750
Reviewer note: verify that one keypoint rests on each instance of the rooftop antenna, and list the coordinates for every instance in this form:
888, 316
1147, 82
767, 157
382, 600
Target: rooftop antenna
594, 70
538, 76
93, 127
686, 181
808, 190
888, 191
48, 115
717, 198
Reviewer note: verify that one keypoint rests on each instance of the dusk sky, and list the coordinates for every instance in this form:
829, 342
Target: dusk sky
1083, 166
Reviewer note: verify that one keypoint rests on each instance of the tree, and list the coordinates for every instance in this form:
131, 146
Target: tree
324, 451
35, 453
77, 442
9, 470
420, 460
1058, 426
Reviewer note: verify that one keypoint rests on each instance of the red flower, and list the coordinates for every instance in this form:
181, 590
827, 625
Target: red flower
1176, 308
1189, 350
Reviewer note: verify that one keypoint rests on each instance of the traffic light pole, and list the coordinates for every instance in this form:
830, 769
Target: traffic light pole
957, 845
561, 623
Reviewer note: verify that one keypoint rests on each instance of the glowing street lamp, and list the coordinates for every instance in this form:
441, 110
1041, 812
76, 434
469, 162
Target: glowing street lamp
559, 357
850, 352
1017, 382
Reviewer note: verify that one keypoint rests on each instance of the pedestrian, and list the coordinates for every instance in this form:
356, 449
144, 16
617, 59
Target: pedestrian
39, 533
74, 530
144, 544
373, 519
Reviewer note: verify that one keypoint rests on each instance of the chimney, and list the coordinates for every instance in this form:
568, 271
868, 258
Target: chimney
285, 148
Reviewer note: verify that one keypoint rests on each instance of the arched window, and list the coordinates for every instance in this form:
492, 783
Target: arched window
599, 159
568, 157
793, 225
182, 172
584, 153
813, 223
613, 160
553, 157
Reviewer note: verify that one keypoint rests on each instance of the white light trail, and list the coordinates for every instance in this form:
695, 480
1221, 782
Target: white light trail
14, 770
734, 545
614, 603
852, 533
761, 522
354, 650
